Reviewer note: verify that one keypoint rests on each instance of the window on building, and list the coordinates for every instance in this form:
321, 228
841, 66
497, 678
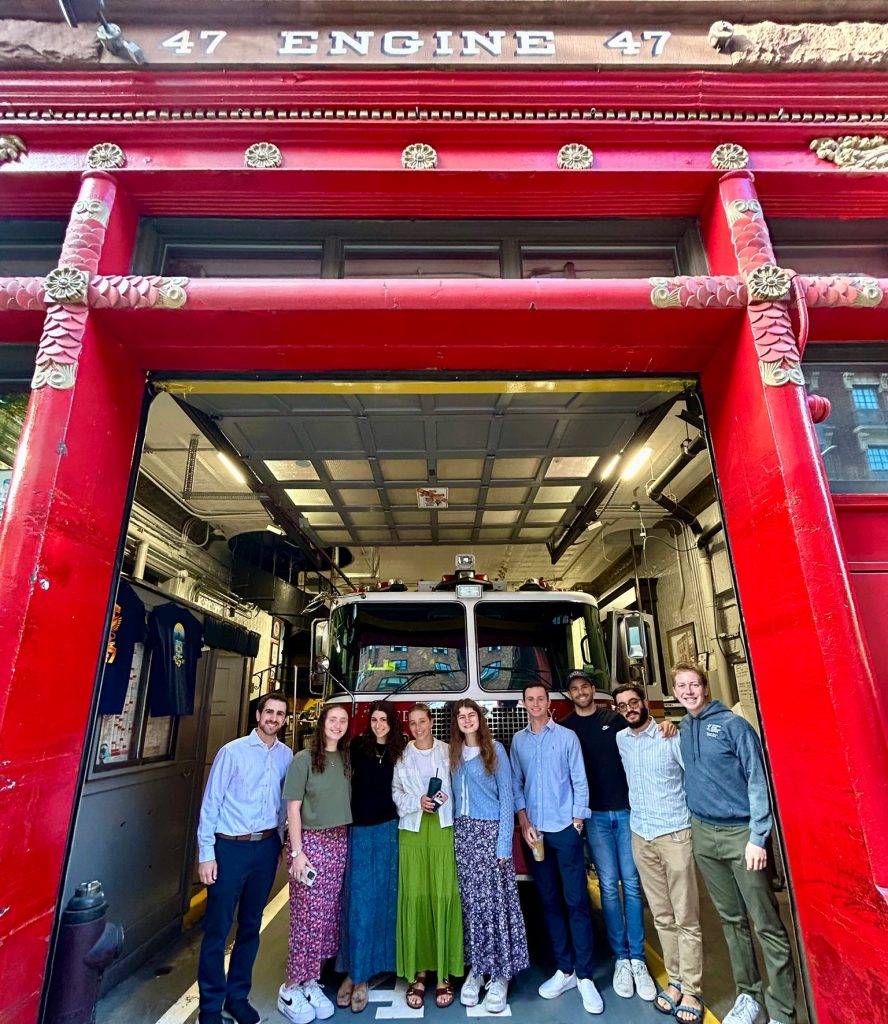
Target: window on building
877, 456
865, 397
489, 249
854, 438
815, 246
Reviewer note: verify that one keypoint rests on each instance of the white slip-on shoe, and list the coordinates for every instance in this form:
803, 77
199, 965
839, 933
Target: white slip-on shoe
321, 1005
471, 989
558, 983
623, 984
592, 1001
294, 1006
497, 998
644, 983
745, 1011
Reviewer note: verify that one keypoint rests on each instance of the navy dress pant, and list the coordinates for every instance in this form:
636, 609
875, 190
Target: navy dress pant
244, 877
561, 880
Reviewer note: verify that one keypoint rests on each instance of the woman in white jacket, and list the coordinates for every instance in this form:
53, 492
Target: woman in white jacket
430, 929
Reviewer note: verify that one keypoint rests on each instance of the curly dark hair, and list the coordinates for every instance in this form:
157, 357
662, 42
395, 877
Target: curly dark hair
394, 742
318, 751
485, 738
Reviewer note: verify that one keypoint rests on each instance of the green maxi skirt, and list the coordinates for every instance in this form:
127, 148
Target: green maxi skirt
430, 926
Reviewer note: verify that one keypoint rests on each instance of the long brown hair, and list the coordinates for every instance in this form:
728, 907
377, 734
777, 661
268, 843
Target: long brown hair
394, 742
318, 743
485, 739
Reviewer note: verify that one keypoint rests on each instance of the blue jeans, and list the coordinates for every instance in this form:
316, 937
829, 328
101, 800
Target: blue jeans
570, 927
610, 844
245, 875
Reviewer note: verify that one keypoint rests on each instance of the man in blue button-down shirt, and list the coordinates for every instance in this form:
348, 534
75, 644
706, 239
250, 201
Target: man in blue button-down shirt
239, 843
552, 801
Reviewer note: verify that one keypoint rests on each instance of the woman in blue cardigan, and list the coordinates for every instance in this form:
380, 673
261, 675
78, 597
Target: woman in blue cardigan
496, 942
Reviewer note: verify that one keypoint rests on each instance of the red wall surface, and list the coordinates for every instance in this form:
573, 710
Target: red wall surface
59, 536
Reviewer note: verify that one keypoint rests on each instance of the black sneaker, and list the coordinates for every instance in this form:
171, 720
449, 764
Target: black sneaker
209, 1017
241, 1011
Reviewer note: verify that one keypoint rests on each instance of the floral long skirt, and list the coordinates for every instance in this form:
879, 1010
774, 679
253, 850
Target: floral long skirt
496, 941
314, 909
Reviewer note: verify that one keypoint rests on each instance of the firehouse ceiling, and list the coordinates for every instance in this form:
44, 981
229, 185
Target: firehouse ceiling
405, 474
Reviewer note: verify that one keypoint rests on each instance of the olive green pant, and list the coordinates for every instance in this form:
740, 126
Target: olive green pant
739, 895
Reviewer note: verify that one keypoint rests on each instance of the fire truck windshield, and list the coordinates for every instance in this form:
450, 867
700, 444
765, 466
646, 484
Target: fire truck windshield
385, 648
537, 641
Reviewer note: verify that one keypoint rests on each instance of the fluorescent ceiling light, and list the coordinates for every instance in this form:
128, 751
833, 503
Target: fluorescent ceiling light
611, 466
275, 529
636, 463
232, 468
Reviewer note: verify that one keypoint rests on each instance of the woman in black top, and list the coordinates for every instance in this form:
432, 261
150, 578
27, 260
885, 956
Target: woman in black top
369, 918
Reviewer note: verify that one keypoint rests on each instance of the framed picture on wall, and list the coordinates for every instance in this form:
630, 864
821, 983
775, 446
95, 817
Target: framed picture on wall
682, 644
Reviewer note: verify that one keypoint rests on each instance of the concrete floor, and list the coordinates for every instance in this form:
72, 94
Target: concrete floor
163, 991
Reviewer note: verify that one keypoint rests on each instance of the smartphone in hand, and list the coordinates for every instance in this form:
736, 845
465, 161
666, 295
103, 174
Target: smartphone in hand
308, 876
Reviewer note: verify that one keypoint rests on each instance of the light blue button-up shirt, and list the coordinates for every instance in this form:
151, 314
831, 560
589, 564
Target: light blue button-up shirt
548, 777
655, 772
243, 793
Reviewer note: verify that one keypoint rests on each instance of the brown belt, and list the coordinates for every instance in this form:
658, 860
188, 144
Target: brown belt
250, 837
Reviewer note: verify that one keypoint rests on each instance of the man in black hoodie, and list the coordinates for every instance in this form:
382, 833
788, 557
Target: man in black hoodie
727, 794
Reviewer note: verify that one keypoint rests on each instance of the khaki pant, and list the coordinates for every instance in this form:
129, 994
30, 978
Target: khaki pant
739, 895
666, 867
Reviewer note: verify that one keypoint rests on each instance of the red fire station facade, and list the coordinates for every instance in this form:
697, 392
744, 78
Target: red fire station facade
733, 149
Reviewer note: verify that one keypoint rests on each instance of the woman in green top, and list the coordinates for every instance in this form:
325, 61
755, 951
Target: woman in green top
318, 792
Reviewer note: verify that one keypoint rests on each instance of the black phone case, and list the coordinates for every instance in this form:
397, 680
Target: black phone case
434, 787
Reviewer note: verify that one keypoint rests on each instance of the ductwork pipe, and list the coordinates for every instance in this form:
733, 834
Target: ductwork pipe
141, 560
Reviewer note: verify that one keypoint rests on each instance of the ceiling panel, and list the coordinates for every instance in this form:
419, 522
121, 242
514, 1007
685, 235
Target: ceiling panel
362, 454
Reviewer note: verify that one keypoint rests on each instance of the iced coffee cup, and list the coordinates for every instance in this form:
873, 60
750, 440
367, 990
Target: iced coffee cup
538, 849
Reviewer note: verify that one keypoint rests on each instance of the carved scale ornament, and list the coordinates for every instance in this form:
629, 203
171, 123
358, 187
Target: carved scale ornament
73, 287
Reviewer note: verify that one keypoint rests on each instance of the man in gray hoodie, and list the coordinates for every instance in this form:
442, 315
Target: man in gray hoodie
727, 795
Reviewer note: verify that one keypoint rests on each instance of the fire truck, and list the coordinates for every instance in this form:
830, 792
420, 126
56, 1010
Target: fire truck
462, 636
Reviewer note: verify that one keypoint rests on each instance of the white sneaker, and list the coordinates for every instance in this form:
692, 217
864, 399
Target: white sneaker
557, 984
592, 1001
294, 1006
644, 983
321, 1005
745, 1011
471, 989
497, 998
623, 984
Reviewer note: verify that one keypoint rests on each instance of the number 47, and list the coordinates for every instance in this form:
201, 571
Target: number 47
626, 42
181, 43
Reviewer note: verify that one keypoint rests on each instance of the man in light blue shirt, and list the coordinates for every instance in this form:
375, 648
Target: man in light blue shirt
661, 845
552, 801
239, 843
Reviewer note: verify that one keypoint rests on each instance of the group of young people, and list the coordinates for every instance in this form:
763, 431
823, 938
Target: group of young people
400, 853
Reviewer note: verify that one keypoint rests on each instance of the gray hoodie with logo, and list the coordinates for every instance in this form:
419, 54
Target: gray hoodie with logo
724, 773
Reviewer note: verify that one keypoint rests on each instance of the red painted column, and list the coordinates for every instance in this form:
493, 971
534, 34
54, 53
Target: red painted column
58, 541
824, 726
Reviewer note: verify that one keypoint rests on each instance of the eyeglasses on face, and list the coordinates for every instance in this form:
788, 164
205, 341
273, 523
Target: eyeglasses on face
633, 704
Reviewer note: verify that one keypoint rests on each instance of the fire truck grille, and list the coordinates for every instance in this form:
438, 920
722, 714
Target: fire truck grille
504, 721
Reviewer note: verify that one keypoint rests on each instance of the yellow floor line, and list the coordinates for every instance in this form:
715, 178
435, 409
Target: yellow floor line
654, 960
195, 909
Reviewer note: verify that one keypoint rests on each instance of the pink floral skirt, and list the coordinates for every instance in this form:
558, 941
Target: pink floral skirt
314, 910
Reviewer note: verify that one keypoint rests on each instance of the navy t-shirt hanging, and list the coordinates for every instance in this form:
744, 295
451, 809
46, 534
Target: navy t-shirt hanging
175, 637
127, 629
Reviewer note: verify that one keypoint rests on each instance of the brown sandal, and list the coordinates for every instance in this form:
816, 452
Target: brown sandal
416, 992
360, 997
344, 995
444, 995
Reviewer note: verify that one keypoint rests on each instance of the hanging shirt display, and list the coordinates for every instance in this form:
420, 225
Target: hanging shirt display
127, 629
175, 637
